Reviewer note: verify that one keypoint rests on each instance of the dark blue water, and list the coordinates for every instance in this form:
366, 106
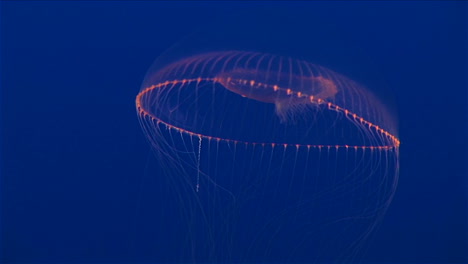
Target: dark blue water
78, 179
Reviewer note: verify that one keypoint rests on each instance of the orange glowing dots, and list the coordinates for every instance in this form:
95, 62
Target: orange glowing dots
271, 158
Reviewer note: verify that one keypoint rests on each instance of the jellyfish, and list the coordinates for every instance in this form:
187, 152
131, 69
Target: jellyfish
271, 158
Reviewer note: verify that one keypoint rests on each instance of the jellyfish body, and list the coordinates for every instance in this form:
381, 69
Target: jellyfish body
275, 159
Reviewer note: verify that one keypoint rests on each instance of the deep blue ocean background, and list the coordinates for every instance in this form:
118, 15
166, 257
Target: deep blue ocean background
77, 175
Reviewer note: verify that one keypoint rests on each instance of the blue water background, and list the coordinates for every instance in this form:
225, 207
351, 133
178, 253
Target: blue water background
76, 181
